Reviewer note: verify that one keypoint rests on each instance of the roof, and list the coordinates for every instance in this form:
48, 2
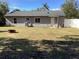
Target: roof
36, 13
56, 13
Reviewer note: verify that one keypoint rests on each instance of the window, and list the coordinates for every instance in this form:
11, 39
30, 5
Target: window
37, 20
55, 19
27, 19
15, 20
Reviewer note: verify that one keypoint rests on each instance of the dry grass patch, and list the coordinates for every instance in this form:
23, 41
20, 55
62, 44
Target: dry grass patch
38, 33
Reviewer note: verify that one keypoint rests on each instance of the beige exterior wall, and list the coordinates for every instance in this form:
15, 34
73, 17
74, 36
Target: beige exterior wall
60, 22
53, 22
44, 21
19, 19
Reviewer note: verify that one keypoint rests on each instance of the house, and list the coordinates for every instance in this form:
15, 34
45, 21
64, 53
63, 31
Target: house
40, 17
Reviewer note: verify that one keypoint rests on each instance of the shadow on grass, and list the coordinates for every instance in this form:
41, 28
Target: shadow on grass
46, 49
63, 49
70, 37
7, 26
3, 31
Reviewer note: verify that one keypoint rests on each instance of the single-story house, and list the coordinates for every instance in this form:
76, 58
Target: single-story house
42, 17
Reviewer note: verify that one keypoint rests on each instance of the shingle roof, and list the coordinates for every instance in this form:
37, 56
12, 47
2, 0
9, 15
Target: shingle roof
56, 13
36, 13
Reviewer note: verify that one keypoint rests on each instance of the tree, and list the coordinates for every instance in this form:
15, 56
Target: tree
78, 14
46, 6
15, 10
3, 10
70, 9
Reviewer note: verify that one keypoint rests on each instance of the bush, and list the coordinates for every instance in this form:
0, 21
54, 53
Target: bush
2, 21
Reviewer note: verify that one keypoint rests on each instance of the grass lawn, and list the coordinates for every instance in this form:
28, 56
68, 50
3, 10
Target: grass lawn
32, 46
34, 33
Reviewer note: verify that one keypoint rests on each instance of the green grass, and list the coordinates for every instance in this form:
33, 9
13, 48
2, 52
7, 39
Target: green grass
34, 33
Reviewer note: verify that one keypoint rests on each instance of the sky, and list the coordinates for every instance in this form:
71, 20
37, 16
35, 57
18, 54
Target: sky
33, 4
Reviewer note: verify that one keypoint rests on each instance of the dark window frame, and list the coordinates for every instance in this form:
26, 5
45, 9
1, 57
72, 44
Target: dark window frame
15, 20
27, 19
37, 20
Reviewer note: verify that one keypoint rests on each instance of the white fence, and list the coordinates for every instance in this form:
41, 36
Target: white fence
71, 23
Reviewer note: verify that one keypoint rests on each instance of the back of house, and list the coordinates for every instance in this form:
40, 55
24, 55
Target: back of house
37, 18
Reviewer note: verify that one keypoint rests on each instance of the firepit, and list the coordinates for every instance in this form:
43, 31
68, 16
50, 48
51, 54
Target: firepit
12, 31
